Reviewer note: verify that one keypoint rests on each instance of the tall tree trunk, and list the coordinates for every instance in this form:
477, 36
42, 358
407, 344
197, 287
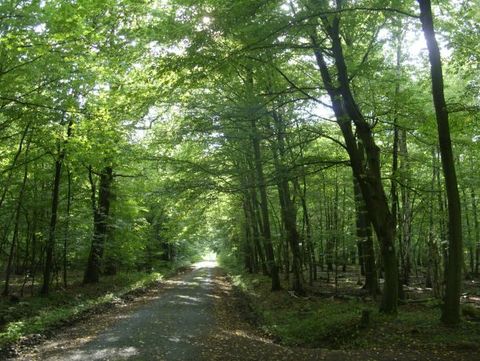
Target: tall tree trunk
51, 234
434, 240
262, 187
67, 229
322, 224
369, 178
256, 225
364, 234
451, 307
249, 257
26, 258
251, 224
287, 206
14, 244
50, 246
266, 233
344, 220
476, 229
33, 235
434, 276
308, 239
394, 188
14, 163
284, 239
100, 227
468, 273
406, 210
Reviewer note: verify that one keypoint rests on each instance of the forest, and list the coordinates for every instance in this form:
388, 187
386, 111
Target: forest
324, 150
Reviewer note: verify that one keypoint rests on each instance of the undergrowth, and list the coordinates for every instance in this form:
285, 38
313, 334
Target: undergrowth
329, 322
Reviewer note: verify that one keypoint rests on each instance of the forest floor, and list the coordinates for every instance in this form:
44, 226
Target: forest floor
198, 315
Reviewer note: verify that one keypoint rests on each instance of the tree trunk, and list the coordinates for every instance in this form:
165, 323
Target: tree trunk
256, 229
369, 178
249, 247
14, 245
468, 272
100, 227
287, 206
434, 276
53, 224
67, 229
49, 249
476, 229
266, 233
330, 238
406, 210
308, 239
451, 308
365, 240
14, 163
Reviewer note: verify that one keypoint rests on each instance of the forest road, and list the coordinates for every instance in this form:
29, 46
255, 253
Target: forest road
194, 316
169, 327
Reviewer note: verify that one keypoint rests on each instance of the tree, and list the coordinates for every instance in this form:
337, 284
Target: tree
368, 177
451, 308
101, 212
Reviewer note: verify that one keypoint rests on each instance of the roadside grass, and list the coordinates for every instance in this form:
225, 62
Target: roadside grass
37, 315
329, 322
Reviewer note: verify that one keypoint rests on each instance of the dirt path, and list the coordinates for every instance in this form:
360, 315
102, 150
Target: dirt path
166, 324
194, 316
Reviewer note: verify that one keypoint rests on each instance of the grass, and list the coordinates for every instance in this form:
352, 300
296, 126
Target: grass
36, 314
334, 323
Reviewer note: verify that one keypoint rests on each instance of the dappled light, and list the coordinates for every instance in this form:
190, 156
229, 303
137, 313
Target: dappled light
168, 327
106, 353
239, 180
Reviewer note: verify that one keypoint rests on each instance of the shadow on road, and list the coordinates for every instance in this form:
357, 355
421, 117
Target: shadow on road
170, 327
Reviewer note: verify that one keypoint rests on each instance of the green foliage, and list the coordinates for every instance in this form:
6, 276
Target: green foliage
165, 93
336, 323
331, 325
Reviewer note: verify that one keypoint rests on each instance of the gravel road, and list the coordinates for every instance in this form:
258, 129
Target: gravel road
170, 327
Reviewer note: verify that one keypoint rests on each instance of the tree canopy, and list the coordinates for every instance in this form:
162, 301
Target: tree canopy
291, 137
